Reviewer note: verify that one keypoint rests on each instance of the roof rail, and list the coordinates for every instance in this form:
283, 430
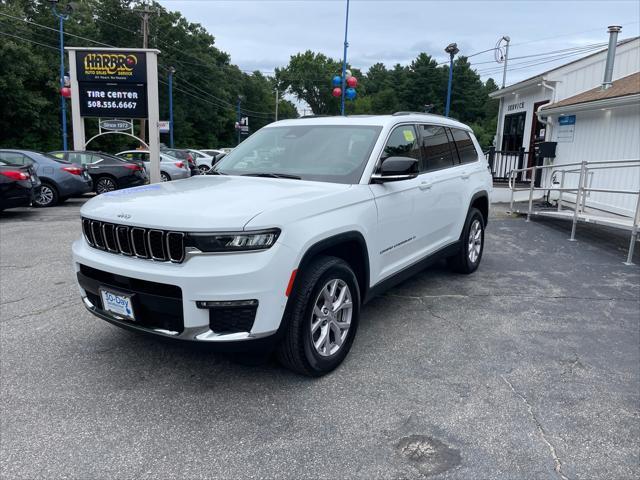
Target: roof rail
397, 114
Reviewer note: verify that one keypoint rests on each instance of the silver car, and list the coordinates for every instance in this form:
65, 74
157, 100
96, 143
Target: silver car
170, 168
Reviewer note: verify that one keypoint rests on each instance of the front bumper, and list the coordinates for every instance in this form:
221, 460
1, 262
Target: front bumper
261, 276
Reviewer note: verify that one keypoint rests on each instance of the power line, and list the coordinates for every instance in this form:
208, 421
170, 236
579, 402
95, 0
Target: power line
29, 40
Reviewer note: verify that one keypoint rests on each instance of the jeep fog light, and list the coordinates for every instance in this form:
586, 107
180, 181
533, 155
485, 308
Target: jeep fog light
233, 242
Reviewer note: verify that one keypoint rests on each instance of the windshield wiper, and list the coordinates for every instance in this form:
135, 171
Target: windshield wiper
272, 175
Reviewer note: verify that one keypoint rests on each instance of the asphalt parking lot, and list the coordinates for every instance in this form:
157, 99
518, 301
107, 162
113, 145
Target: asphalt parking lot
529, 368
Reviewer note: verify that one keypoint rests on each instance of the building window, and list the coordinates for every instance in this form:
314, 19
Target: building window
513, 132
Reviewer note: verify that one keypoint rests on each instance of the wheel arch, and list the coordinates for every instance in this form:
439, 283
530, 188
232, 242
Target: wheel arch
480, 200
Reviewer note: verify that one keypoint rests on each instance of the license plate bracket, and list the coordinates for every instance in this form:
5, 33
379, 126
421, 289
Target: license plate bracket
118, 303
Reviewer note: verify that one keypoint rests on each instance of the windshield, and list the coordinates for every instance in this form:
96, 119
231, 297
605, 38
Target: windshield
323, 153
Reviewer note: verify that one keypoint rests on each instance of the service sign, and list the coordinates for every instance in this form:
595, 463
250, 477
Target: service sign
113, 100
106, 66
115, 125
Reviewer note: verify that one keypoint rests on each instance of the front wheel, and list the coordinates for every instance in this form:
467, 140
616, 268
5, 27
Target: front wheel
322, 320
468, 257
203, 169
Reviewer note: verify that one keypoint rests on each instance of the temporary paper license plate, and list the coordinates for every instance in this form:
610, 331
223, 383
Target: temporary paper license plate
117, 303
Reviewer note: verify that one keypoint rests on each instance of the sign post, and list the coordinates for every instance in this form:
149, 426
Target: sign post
115, 83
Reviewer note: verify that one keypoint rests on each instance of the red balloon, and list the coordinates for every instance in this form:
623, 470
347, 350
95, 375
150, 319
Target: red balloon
352, 82
65, 92
336, 92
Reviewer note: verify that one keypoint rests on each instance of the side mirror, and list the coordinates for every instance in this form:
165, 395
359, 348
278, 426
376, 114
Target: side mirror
394, 169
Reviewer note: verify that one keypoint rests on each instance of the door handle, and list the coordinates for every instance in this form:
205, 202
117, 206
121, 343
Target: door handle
425, 186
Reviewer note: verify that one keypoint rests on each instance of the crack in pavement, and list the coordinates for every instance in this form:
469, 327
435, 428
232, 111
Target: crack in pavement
41, 311
557, 463
506, 295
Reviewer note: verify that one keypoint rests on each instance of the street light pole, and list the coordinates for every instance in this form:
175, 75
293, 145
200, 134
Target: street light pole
344, 61
452, 50
63, 105
506, 60
171, 72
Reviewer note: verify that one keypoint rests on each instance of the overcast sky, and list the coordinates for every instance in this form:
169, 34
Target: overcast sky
264, 34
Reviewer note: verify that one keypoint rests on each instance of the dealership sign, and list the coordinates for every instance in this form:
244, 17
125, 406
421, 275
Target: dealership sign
115, 125
106, 66
99, 99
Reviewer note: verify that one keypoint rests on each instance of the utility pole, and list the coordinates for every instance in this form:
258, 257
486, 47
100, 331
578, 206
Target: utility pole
344, 61
452, 50
171, 72
145, 44
507, 39
63, 104
276, 104
239, 117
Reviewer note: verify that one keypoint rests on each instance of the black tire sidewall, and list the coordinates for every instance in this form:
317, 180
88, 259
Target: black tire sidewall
317, 363
165, 175
474, 214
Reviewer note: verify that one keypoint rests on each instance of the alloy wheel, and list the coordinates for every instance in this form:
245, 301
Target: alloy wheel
475, 241
105, 185
45, 197
331, 317
203, 169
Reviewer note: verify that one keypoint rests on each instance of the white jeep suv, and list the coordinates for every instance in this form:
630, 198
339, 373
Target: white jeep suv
300, 225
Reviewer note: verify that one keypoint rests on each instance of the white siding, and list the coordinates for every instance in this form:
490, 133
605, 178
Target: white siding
612, 134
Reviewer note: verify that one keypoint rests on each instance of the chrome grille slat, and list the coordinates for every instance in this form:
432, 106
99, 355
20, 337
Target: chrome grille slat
175, 245
124, 240
98, 238
155, 240
158, 245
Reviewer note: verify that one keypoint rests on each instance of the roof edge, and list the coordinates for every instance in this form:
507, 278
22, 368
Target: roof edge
593, 105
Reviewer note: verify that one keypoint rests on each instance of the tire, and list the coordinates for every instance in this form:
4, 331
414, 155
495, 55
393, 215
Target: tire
48, 196
307, 318
164, 176
468, 257
203, 169
105, 184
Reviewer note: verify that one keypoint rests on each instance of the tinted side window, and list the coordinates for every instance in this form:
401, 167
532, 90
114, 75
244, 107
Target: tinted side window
436, 151
403, 142
13, 158
466, 149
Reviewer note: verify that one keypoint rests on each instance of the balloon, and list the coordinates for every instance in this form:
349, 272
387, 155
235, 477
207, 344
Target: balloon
351, 93
348, 73
336, 92
337, 81
65, 92
352, 82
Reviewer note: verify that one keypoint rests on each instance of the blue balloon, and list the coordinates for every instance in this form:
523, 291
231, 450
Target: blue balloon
350, 93
337, 81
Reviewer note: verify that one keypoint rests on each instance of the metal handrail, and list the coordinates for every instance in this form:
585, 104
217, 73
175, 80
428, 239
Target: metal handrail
586, 168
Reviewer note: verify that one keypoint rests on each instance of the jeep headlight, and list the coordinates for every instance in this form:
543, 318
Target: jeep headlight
233, 242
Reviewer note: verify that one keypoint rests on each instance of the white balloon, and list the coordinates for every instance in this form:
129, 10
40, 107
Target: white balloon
348, 73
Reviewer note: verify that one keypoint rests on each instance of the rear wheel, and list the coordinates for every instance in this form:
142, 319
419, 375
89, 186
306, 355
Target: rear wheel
203, 169
323, 318
472, 244
47, 197
105, 184
165, 177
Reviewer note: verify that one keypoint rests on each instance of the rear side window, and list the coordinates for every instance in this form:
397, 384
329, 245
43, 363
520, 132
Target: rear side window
436, 149
403, 142
13, 158
466, 149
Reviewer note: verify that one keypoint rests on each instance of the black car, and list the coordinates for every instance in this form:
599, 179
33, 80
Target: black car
18, 185
184, 155
107, 172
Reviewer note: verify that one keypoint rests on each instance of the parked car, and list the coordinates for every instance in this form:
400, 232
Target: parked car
107, 171
170, 168
319, 216
59, 179
203, 160
19, 185
212, 152
184, 155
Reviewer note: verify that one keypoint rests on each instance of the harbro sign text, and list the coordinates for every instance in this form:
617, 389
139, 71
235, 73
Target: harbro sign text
105, 66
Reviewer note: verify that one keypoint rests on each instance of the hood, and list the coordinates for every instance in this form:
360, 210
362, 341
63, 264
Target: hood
204, 202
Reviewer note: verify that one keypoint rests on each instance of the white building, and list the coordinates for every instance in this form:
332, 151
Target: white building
568, 105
